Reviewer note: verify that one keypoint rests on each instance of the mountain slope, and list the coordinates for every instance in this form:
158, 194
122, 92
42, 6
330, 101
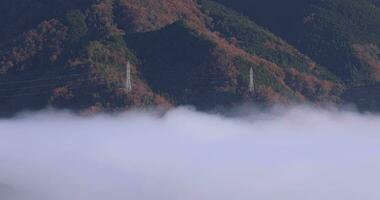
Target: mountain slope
182, 52
365, 98
301, 73
343, 35
18, 16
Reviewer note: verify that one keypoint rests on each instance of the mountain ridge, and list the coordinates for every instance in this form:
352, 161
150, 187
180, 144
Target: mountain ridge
182, 52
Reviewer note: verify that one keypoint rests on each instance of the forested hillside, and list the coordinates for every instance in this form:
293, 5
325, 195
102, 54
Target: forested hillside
73, 54
342, 35
376, 2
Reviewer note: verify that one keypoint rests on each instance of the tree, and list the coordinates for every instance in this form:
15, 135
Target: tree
78, 29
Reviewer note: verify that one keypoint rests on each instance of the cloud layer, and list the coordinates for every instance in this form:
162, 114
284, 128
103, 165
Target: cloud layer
288, 154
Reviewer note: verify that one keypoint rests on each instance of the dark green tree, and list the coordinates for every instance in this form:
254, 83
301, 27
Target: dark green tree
78, 30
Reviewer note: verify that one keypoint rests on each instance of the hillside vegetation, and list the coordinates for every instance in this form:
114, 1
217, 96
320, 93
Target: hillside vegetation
73, 54
342, 35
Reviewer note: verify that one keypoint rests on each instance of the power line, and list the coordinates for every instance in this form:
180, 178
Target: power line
47, 92
41, 92
66, 83
44, 79
88, 73
53, 84
214, 77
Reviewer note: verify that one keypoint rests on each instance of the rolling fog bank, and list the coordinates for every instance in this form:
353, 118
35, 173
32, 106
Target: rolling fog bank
283, 154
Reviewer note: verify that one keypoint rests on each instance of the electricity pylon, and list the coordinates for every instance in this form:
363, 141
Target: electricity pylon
251, 84
128, 83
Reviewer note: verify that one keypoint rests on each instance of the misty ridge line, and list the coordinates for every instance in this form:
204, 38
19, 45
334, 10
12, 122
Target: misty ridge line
237, 111
248, 114
295, 153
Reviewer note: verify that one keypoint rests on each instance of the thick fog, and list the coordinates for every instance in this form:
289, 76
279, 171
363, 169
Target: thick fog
282, 154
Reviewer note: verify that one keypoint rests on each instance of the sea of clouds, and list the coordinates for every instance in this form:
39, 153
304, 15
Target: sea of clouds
298, 153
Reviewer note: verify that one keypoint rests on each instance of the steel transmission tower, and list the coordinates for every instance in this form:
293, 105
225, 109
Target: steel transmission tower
251, 84
128, 83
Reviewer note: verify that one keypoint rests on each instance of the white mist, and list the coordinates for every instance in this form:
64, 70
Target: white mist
293, 154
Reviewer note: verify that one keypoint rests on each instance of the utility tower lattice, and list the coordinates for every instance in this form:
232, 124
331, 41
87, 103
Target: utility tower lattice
128, 83
251, 84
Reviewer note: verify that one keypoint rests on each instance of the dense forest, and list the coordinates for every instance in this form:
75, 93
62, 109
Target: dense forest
72, 54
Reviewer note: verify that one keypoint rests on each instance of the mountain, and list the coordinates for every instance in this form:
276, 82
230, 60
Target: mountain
72, 54
376, 2
342, 35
